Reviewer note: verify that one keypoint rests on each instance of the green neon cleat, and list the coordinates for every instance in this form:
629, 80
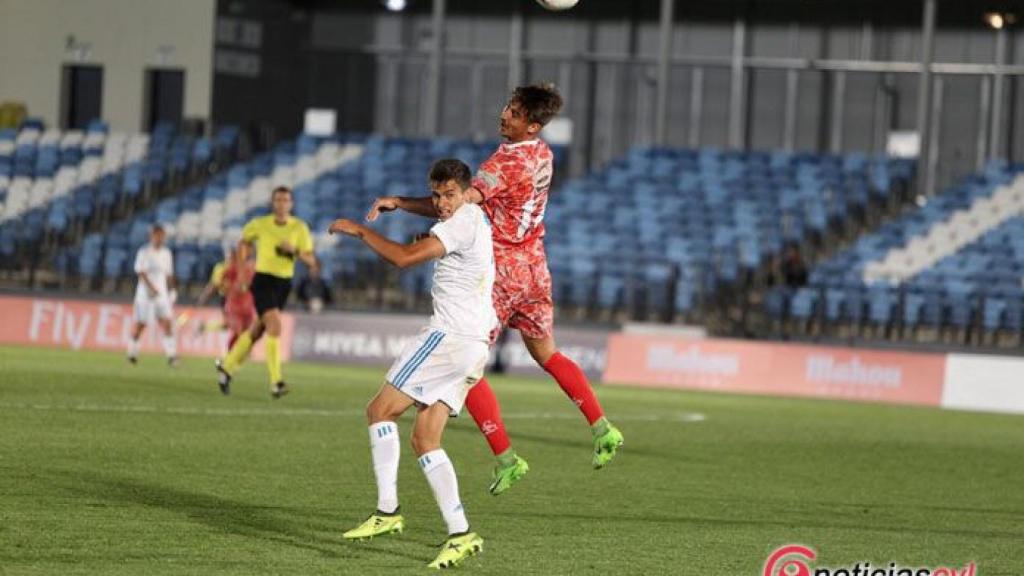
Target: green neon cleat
606, 445
457, 548
378, 524
506, 476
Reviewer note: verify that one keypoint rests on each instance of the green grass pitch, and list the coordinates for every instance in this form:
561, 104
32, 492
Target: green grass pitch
111, 469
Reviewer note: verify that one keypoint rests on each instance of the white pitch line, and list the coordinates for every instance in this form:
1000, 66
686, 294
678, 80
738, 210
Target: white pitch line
683, 417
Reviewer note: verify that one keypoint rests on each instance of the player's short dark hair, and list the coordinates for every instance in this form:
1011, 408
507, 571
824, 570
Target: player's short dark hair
157, 227
447, 169
281, 190
541, 102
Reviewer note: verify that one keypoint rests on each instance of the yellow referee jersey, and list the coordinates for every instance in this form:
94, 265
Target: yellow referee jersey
267, 235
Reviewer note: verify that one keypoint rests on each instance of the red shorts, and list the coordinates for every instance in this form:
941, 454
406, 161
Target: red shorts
239, 318
522, 297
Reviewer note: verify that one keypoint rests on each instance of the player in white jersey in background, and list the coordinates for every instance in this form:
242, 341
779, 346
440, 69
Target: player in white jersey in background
154, 297
437, 369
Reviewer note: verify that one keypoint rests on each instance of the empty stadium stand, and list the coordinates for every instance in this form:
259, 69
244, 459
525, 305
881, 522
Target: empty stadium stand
948, 270
56, 185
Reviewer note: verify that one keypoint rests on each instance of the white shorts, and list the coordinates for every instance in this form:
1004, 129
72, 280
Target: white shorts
146, 309
438, 367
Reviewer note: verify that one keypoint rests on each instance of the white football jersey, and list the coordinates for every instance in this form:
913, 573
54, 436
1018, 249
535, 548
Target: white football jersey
464, 276
158, 265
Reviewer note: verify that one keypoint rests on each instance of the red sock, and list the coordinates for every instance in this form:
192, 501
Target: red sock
483, 406
575, 385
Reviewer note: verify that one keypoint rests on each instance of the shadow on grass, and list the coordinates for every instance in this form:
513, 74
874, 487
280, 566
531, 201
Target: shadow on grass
285, 526
795, 522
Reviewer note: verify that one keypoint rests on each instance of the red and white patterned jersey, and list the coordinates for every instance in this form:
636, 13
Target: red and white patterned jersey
515, 182
238, 278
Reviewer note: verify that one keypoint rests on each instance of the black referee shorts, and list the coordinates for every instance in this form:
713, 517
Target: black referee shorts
270, 292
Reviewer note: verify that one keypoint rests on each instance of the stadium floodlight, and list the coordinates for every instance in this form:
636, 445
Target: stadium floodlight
395, 5
1000, 20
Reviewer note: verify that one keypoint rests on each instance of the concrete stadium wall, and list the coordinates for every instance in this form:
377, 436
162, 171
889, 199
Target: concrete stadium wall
37, 37
612, 103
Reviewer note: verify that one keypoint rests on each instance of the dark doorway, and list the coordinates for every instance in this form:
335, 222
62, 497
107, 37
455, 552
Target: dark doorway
81, 95
164, 97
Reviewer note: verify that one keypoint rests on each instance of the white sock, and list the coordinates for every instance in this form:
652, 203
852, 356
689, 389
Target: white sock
385, 449
441, 475
133, 348
170, 345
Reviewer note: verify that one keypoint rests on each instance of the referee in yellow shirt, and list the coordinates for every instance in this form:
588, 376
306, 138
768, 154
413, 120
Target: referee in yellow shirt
279, 239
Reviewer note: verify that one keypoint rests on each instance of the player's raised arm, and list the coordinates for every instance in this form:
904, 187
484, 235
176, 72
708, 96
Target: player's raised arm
400, 255
422, 206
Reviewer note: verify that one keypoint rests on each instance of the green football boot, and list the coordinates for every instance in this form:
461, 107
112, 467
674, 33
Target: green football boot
457, 548
506, 476
606, 445
378, 524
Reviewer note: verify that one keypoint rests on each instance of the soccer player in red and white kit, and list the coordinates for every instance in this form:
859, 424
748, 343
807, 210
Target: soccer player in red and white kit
231, 279
239, 305
512, 187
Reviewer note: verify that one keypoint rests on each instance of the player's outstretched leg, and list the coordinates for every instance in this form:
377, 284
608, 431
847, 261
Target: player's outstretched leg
272, 321
169, 342
227, 368
133, 342
572, 381
238, 353
233, 337
457, 548
385, 451
440, 473
377, 524
277, 386
233, 361
483, 407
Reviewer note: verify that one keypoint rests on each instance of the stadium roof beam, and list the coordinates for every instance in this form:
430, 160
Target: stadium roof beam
995, 148
935, 127
761, 62
984, 100
515, 49
664, 72
792, 91
737, 86
926, 184
835, 144
436, 67
696, 105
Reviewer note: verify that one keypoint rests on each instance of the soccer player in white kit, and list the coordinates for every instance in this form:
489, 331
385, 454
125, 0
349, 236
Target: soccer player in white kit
437, 369
154, 266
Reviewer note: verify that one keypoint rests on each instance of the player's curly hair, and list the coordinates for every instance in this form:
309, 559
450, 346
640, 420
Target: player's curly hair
541, 102
447, 169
